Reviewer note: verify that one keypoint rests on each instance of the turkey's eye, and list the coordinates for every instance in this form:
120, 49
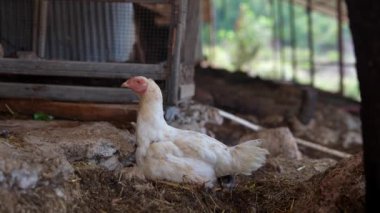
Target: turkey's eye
138, 81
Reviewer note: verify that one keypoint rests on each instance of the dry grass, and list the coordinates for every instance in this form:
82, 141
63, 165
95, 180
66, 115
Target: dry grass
107, 192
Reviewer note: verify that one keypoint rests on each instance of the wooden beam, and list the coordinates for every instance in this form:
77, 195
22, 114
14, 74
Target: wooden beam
281, 37
81, 69
340, 45
293, 39
42, 34
36, 14
310, 40
365, 28
274, 34
179, 13
66, 93
72, 111
190, 42
186, 91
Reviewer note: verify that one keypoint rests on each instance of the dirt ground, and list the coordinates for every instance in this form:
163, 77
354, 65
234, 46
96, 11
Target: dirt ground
72, 166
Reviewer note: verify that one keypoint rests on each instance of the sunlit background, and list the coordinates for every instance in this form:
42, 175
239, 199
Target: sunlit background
246, 36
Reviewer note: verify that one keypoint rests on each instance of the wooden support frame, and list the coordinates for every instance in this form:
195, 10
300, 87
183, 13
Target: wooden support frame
81, 69
340, 45
309, 7
66, 93
293, 40
179, 11
274, 34
168, 71
42, 33
280, 16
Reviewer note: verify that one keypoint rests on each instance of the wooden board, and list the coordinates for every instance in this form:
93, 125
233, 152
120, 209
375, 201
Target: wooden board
81, 69
186, 91
66, 93
72, 111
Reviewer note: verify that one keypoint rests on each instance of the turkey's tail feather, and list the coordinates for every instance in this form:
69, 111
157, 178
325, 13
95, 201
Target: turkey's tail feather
248, 157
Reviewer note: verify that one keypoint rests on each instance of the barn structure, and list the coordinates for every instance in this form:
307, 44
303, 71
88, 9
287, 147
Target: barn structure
69, 57
81, 51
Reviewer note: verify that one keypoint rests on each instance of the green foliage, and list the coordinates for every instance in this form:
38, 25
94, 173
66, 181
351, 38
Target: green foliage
40, 116
244, 40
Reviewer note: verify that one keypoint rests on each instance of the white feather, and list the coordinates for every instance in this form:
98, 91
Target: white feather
165, 152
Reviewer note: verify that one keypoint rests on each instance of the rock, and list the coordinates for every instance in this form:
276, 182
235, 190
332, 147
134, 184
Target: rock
279, 142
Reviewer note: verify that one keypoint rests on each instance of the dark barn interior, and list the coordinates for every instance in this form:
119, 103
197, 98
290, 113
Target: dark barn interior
69, 132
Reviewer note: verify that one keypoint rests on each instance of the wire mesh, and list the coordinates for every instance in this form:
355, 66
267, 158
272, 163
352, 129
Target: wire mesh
82, 30
16, 26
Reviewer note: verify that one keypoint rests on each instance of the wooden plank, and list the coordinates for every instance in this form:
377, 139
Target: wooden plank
81, 69
281, 37
186, 91
340, 40
72, 111
43, 28
36, 9
310, 36
179, 14
293, 38
66, 93
190, 41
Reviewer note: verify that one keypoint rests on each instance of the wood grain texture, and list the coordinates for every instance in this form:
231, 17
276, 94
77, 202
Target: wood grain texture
66, 93
81, 69
72, 111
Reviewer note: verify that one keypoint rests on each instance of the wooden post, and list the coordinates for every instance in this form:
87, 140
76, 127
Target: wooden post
36, 9
293, 40
179, 14
43, 28
274, 34
340, 46
281, 37
189, 50
365, 27
310, 41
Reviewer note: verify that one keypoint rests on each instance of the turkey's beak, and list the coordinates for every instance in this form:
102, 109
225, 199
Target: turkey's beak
125, 84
